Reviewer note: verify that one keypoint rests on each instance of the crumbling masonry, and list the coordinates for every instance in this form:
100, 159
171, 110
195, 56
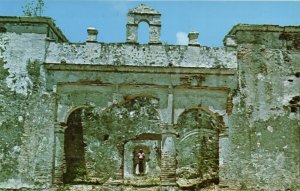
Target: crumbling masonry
74, 115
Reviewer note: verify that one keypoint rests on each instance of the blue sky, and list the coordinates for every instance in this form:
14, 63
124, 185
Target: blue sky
212, 19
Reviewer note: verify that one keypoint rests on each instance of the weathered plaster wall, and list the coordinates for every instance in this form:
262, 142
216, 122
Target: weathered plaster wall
26, 113
197, 145
141, 55
135, 95
30, 25
105, 133
271, 36
264, 134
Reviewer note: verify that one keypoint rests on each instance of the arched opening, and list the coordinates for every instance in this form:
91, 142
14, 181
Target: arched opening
198, 146
95, 140
74, 149
143, 33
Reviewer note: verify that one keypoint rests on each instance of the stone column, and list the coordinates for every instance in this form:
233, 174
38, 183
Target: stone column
59, 155
120, 174
131, 33
223, 155
168, 159
154, 34
229, 104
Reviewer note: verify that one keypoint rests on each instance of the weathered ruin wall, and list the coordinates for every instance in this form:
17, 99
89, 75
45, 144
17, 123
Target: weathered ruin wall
141, 55
264, 133
36, 25
258, 150
100, 86
271, 36
26, 113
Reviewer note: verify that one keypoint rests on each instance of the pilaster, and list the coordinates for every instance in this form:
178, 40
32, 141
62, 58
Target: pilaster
59, 161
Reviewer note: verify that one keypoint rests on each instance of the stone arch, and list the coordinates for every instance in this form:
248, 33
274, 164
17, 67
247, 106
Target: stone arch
198, 144
101, 134
201, 108
108, 130
145, 103
143, 13
65, 115
68, 125
131, 97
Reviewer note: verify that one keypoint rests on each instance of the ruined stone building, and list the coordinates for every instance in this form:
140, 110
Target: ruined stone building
73, 116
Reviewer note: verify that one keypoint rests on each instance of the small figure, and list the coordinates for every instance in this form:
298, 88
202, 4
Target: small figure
141, 157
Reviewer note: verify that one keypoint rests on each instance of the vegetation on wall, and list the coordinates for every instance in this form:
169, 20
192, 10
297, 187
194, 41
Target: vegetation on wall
198, 143
33, 8
103, 136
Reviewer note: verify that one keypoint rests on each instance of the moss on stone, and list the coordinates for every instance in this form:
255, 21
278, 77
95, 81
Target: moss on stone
33, 69
10, 148
3, 72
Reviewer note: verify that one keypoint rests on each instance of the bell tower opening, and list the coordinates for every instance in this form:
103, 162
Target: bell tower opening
141, 14
143, 33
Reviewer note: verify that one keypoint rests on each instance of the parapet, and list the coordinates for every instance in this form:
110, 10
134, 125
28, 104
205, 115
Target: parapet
39, 25
272, 36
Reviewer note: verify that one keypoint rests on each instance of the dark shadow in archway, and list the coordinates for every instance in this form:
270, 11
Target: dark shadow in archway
74, 149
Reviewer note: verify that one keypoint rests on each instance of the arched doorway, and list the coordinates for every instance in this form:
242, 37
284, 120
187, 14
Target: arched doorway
74, 149
94, 139
198, 146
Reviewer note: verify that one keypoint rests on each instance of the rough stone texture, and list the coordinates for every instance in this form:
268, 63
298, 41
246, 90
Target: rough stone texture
272, 36
141, 55
72, 116
133, 118
265, 147
143, 13
199, 127
36, 25
26, 116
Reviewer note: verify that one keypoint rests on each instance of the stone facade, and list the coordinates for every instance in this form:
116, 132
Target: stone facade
73, 116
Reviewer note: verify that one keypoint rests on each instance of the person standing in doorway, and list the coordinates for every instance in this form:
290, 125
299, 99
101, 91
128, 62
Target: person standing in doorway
141, 159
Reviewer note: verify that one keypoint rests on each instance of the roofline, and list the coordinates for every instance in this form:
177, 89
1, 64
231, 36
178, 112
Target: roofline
263, 28
38, 20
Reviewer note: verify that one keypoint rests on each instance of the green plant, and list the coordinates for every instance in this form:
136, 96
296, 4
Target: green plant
33, 7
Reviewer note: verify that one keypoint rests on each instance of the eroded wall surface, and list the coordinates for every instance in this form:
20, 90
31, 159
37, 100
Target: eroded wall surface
26, 117
264, 133
77, 113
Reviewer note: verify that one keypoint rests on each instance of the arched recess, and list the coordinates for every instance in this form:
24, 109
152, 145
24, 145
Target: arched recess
198, 145
90, 144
